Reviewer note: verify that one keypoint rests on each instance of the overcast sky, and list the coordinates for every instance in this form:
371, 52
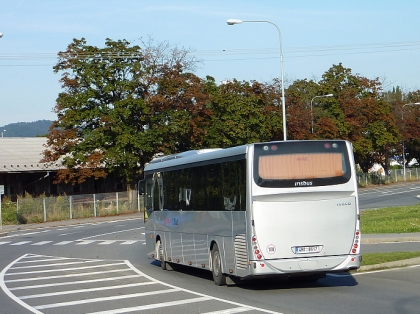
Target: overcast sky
376, 38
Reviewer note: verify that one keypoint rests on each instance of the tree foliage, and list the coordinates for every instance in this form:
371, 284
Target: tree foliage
117, 107
242, 112
123, 104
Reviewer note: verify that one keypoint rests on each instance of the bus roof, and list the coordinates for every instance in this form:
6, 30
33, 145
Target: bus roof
194, 156
202, 155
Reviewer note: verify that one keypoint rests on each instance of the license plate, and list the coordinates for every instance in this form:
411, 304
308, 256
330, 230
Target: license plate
307, 249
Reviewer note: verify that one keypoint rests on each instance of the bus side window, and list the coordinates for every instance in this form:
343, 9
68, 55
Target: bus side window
155, 196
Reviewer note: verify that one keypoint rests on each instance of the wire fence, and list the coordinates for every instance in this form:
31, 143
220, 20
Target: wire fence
393, 176
34, 210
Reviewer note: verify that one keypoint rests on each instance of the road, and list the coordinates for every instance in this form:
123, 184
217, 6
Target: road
102, 268
398, 194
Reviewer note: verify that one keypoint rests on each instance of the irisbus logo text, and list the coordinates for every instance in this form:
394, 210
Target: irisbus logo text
303, 183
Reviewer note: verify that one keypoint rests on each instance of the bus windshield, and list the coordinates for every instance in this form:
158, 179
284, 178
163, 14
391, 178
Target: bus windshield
296, 164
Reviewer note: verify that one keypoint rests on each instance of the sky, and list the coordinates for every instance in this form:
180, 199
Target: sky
375, 39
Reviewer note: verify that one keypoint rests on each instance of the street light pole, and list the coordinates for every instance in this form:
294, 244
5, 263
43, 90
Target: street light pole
283, 102
402, 119
312, 116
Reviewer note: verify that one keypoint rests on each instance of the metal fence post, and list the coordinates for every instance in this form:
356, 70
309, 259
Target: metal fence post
17, 211
94, 205
71, 207
116, 197
45, 209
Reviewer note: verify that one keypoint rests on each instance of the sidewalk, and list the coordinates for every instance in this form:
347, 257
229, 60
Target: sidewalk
366, 238
10, 228
390, 237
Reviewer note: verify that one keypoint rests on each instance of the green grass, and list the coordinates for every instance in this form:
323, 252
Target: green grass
379, 258
401, 219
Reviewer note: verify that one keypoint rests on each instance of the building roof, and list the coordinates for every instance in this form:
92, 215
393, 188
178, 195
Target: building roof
23, 154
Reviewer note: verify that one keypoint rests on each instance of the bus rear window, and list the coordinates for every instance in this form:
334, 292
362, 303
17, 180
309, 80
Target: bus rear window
293, 164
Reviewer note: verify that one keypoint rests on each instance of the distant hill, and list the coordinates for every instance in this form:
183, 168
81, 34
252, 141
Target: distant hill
26, 129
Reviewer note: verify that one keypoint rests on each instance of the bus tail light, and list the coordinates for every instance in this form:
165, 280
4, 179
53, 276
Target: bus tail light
355, 249
257, 251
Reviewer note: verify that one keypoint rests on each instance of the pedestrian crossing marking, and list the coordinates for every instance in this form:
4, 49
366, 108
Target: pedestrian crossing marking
77, 242
41, 243
21, 243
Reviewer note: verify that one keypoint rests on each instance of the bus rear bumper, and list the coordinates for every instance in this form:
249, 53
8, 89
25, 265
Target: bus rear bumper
326, 264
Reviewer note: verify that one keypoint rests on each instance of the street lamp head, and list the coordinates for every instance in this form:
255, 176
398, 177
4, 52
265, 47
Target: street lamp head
233, 21
1, 35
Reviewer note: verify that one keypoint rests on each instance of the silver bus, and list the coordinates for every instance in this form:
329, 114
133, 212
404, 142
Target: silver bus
277, 208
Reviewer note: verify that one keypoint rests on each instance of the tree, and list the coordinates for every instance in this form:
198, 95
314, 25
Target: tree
300, 116
409, 124
361, 115
242, 112
109, 118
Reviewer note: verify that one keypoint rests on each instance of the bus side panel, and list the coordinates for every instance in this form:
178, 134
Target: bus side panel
188, 230
175, 239
188, 253
201, 248
239, 245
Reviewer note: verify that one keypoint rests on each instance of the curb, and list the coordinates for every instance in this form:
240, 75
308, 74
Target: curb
396, 264
61, 223
390, 238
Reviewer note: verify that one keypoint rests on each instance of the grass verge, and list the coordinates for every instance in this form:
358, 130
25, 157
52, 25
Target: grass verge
379, 258
401, 219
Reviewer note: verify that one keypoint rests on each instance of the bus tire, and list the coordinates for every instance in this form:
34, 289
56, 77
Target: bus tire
159, 254
216, 267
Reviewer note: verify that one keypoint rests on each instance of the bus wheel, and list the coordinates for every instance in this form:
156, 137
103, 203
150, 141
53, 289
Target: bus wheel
216, 261
159, 254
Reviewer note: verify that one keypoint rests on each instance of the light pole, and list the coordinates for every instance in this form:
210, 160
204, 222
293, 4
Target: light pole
402, 119
312, 115
283, 102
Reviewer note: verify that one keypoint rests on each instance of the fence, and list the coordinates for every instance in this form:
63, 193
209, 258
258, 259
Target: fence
393, 176
32, 210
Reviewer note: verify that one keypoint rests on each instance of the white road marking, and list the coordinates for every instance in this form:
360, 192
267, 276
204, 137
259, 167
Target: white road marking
230, 311
56, 264
72, 288
108, 233
83, 242
41, 243
137, 284
153, 306
129, 242
21, 243
63, 242
31, 233
79, 282
40, 260
67, 275
64, 269
107, 242
94, 300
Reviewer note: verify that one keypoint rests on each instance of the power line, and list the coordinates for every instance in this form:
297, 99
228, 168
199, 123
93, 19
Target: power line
227, 54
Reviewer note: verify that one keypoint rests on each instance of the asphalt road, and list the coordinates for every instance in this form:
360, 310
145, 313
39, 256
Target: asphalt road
101, 267
398, 194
